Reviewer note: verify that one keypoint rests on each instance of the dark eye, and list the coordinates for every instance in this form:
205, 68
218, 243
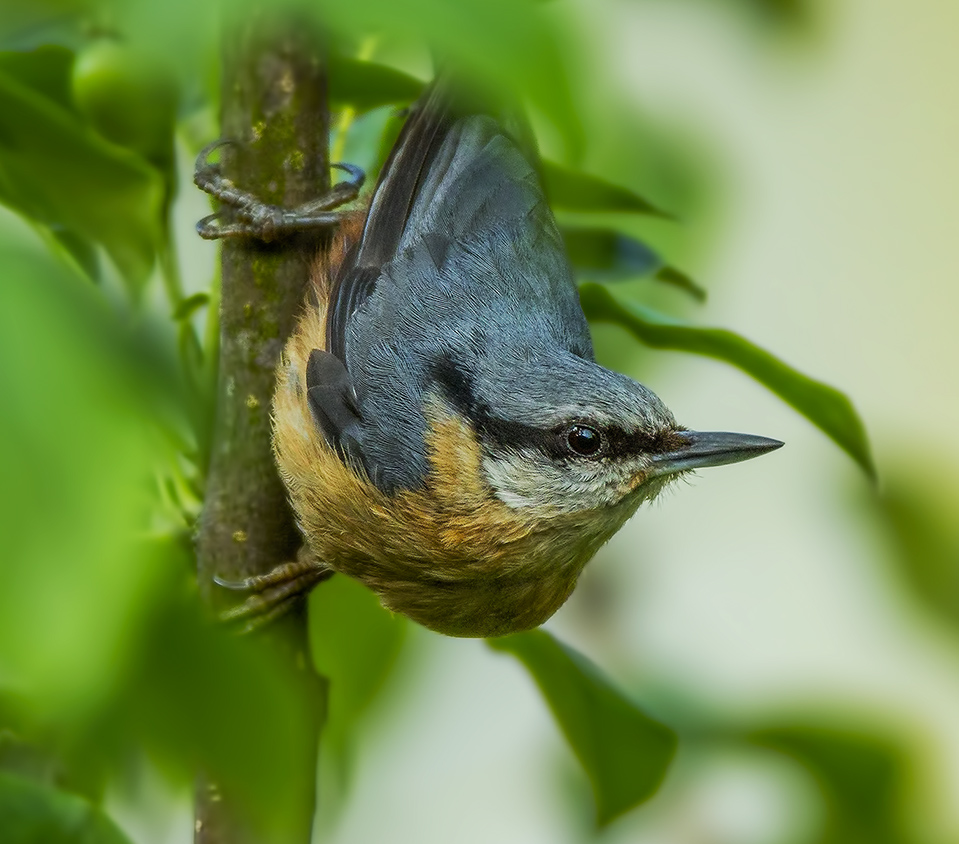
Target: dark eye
584, 441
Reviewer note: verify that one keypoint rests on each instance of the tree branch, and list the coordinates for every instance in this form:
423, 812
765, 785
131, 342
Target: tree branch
274, 106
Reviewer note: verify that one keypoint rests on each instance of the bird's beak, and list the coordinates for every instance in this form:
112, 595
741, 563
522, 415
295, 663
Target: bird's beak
699, 449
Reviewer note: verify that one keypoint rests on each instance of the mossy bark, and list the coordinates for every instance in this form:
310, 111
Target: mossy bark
274, 107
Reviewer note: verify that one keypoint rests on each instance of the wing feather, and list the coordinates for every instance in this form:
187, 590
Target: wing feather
403, 174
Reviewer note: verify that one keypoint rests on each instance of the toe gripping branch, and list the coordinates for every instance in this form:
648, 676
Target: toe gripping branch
273, 594
248, 216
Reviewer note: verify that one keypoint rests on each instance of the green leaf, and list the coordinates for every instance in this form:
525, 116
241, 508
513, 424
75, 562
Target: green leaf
79, 249
198, 698
366, 85
68, 596
679, 279
390, 132
577, 191
46, 70
355, 643
58, 172
824, 406
25, 26
624, 752
514, 47
31, 813
783, 15
860, 776
100, 628
918, 509
191, 305
605, 254
189, 695
608, 255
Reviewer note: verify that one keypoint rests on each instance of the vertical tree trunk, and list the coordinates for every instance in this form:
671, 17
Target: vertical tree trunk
274, 107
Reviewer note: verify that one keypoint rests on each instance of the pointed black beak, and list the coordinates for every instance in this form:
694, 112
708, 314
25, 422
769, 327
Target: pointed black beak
711, 448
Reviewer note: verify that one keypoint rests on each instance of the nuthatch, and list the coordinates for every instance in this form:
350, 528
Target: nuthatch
444, 431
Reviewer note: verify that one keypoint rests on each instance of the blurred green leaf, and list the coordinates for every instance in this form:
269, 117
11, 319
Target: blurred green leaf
94, 627
362, 142
774, 16
46, 70
189, 306
129, 95
624, 752
860, 777
576, 191
366, 85
784, 14
81, 250
198, 698
355, 643
604, 254
191, 696
31, 813
681, 281
918, 507
59, 173
79, 443
824, 406
25, 26
389, 133
515, 47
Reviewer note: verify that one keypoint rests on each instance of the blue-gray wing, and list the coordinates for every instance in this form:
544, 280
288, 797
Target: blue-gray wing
329, 385
393, 202
460, 260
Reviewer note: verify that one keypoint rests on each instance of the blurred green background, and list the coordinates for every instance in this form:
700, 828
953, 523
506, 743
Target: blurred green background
796, 626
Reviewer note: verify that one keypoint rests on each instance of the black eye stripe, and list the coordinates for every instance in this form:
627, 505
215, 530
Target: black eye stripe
554, 443
616, 442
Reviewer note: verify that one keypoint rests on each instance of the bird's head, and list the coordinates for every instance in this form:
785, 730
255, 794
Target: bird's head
562, 435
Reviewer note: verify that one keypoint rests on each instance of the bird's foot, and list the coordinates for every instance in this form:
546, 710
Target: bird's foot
272, 594
248, 216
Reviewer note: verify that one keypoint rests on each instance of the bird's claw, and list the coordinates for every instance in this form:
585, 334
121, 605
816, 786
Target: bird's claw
245, 215
273, 594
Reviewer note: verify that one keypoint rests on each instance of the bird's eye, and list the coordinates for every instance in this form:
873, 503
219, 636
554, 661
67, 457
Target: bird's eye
584, 441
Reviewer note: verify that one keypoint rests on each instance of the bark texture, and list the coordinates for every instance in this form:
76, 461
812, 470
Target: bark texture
274, 107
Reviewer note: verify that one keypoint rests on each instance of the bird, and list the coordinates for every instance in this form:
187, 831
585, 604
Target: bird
443, 429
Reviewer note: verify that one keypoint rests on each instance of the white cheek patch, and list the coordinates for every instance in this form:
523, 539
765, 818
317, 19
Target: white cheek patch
529, 480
